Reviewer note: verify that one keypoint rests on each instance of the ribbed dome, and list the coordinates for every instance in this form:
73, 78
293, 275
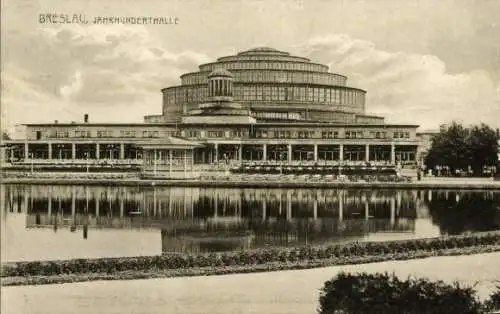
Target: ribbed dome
263, 50
220, 72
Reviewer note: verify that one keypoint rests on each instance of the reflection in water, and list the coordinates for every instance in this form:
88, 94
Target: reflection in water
211, 219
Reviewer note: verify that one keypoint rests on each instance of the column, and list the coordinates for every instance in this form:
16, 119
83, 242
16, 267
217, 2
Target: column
3, 198
192, 167
154, 162
122, 207
341, 152
73, 203
315, 208
49, 202
398, 199
240, 153
367, 153
122, 151
393, 154
87, 197
367, 208
50, 150
216, 157
184, 198
341, 205
26, 151
185, 162
170, 161
97, 200
393, 211
154, 202
73, 151
216, 204
264, 152
3, 155
26, 206
97, 151
315, 152
264, 209
289, 205
289, 152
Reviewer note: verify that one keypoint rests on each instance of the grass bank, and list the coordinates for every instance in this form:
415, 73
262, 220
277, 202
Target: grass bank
51, 272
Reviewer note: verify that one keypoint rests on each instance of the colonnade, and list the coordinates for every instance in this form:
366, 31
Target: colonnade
314, 152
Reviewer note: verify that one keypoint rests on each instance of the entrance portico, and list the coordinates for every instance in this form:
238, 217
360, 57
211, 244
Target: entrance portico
169, 158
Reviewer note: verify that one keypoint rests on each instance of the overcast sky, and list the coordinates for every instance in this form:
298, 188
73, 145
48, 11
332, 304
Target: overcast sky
421, 62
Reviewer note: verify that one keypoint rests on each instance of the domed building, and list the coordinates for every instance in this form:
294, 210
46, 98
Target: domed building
275, 85
264, 104
258, 106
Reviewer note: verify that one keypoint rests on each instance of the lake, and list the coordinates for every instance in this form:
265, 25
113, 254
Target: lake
42, 222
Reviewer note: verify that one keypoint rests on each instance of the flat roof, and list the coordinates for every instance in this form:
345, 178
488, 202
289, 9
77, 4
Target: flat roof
97, 124
281, 124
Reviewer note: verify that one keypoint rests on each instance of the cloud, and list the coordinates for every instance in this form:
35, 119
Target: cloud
409, 88
116, 72
91, 68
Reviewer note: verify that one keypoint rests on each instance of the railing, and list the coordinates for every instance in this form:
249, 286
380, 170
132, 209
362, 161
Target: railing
77, 162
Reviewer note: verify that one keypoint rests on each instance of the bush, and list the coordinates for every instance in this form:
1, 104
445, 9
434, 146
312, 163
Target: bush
493, 303
381, 293
343, 253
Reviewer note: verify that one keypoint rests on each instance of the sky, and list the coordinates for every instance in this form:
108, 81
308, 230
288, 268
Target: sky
421, 62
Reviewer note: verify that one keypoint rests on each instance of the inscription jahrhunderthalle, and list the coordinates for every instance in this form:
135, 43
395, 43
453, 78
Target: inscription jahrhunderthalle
63, 18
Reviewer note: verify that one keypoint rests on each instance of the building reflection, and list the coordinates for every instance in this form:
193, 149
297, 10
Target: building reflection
212, 219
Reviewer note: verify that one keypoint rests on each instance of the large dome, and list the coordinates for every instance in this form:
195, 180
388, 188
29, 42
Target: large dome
268, 80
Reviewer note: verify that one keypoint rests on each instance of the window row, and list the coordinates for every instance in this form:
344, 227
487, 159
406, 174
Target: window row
266, 65
296, 134
102, 134
277, 115
271, 93
330, 134
273, 76
401, 134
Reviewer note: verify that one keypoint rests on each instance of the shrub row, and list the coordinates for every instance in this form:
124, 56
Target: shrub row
254, 257
239, 269
383, 293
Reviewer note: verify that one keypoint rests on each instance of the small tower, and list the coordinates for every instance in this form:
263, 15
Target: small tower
220, 86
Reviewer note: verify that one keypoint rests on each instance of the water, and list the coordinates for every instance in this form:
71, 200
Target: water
61, 222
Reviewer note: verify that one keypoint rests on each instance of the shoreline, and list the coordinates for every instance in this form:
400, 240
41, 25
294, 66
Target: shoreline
427, 184
241, 269
270, 260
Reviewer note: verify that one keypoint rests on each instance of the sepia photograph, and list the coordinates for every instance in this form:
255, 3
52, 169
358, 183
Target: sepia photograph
250, 156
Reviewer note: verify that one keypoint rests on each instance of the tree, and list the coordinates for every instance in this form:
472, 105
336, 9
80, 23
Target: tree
382, 293
458, 148
483, 146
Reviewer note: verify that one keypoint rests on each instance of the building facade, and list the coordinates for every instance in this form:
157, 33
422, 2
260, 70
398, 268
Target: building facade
259, 106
